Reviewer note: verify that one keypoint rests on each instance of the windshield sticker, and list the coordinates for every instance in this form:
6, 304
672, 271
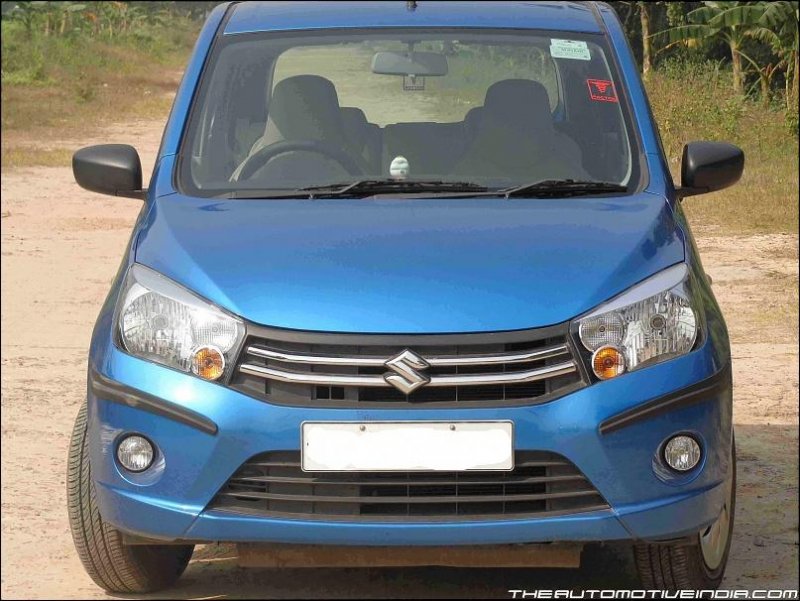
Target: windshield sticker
602, 90
574, 49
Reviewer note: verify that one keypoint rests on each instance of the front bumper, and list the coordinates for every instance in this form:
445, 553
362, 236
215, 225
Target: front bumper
611, 431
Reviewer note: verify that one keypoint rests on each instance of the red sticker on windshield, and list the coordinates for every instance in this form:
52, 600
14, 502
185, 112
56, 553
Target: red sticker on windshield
602, 90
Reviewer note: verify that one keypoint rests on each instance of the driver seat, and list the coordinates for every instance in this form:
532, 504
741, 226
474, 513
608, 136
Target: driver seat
302, 108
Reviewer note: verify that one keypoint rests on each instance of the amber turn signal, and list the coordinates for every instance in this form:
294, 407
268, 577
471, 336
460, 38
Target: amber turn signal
608, 362
208, 362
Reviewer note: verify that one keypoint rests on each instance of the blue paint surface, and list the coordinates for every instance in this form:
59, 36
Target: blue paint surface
285, 16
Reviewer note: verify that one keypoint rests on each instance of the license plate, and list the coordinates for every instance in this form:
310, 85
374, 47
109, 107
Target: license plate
407, 446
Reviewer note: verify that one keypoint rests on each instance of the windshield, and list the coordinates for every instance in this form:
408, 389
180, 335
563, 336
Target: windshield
279, 112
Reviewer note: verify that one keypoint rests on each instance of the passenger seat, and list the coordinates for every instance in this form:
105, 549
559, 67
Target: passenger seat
500, 97
513, 137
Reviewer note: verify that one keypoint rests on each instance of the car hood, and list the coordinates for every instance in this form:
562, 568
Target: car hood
409, 266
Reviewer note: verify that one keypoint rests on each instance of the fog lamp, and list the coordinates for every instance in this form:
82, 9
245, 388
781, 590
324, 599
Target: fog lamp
682, 453
135, 453
608, 362
208, 362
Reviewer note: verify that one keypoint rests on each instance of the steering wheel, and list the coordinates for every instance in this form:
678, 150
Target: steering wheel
262, 156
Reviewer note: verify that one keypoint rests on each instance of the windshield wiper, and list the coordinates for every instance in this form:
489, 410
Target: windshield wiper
369, 187
363, 188
561, 188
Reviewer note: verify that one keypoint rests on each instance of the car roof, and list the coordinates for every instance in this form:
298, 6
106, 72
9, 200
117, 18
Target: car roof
249, 17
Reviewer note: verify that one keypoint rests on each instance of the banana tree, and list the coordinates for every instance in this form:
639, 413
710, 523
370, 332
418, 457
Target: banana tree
63, 14
30, 14
52, 17
732, 22
778, 27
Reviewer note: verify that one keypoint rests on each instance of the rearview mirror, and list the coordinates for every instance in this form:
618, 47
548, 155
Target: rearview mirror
409, 63
709, 166
113, 169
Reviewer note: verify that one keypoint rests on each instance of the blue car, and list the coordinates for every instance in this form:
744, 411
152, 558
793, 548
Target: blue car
411, 285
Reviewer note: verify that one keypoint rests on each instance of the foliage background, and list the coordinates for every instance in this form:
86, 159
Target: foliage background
69, 66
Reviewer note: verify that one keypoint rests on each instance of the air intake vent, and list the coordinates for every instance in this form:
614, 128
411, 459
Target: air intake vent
541, 484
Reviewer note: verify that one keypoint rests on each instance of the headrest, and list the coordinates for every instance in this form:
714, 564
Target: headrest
304, 107
522, 102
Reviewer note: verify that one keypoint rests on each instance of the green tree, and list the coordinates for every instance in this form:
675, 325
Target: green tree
778, 27
732, 22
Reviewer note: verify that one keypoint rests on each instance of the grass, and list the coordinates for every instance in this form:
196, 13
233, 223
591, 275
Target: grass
33, 156
57, 86
694, 102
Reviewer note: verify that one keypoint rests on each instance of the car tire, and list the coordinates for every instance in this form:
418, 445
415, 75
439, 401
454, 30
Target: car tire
685, 565
116, 567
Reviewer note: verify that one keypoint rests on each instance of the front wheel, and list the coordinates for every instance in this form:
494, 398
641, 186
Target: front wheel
698, 564
116, 567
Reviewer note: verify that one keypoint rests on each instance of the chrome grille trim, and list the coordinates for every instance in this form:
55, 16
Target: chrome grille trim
345, 370
436, 361
322, 379
297, 377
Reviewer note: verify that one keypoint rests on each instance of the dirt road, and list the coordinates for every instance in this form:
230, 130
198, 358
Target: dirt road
60, 248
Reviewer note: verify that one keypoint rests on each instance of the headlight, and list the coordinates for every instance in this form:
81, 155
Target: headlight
651, 322
163, 322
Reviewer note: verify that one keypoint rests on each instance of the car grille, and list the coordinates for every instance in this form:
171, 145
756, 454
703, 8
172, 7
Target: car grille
542, 484
351, 371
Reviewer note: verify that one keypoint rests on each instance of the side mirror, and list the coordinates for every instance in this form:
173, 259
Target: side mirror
709, 166
113, 169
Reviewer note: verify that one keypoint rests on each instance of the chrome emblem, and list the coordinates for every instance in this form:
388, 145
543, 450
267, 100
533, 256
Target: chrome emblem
406, 378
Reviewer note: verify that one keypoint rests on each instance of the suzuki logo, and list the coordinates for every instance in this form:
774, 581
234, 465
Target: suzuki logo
406, 378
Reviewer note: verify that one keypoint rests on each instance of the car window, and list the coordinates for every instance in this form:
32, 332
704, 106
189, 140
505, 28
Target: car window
286, 111
473, 68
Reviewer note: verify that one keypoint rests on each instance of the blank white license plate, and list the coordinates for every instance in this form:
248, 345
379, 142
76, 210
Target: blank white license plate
407, 446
